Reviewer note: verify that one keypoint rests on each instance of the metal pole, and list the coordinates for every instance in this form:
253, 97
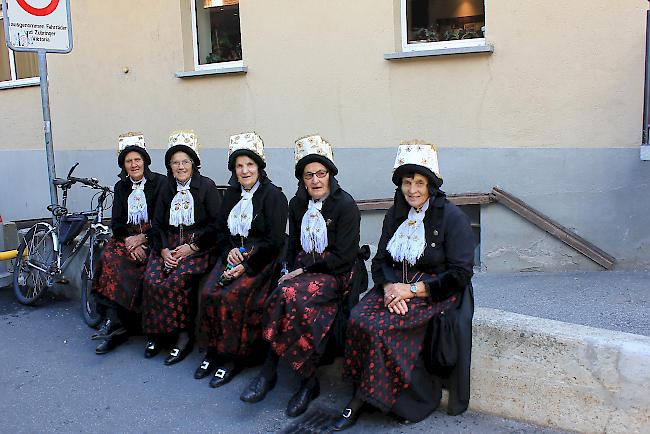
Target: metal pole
47, 125
646, 84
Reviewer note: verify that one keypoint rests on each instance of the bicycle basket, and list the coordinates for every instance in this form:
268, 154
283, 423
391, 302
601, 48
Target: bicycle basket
71, 226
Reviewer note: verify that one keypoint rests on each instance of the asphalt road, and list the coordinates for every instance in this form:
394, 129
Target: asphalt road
52, 381
614, 300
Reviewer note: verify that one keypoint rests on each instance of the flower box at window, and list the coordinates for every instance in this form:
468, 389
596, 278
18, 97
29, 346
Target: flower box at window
431, 24
16, 68
217, 36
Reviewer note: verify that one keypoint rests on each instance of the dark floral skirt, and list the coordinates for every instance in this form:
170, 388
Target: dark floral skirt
169, 297
231, 315
382, 347
118, 278
300, 313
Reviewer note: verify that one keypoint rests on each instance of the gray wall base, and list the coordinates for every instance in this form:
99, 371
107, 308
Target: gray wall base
601, 194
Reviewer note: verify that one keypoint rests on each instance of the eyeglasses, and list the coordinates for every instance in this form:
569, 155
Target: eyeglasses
319, 174
181, 163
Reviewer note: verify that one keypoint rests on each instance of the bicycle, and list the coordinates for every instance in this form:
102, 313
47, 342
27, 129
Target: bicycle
46, 250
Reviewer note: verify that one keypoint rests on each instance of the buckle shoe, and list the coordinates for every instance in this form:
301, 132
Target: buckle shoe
205, 368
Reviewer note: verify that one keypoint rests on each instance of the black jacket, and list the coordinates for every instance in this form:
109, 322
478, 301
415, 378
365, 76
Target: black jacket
207, 202
267, 233
449, 251
122, 190
343, 221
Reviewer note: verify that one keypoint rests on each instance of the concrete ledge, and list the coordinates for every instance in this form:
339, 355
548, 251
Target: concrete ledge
560, 375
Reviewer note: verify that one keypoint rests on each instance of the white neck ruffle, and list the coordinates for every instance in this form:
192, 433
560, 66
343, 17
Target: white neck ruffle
241, 216
137, 203
182, 207
313, 230
409, 240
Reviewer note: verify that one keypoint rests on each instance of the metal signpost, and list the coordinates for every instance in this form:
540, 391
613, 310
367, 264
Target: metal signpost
41, 26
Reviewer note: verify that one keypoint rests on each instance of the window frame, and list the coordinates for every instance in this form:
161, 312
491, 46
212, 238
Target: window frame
195, 48
406, 47
15, 82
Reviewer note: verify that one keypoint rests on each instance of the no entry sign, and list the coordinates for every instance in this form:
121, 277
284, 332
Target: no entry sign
32, 25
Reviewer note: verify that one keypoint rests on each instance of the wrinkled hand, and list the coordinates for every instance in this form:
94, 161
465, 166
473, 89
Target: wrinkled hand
139, 254
235, 257
289, 276
234, 273
396, 296
134, 241
168, 258
181, 252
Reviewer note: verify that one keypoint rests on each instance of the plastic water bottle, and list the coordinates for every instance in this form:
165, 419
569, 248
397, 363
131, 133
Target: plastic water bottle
223, 279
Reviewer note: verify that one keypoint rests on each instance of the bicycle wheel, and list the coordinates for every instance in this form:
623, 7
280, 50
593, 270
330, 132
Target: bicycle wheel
88, 304
35, 254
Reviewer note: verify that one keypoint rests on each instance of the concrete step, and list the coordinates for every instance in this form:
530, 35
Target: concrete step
561, 375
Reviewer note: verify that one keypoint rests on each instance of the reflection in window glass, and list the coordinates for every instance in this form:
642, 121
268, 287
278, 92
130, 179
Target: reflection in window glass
218, 32
5, 72
26, 65
444, 20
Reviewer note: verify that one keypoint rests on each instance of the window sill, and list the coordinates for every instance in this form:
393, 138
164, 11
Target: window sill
439, 52
216, 71
20, 83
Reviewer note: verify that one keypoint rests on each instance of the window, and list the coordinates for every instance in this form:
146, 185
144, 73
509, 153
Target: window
216, 33
16, 68
431, 24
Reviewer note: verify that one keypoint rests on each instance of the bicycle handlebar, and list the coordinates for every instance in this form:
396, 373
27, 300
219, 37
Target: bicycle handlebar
70, 180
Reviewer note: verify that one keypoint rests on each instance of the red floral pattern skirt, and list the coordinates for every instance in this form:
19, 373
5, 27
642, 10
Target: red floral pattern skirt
231, 315
118, 277
169, 297
382, 348
300, 313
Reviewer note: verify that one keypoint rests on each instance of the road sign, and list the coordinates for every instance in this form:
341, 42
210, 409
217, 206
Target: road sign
33, 25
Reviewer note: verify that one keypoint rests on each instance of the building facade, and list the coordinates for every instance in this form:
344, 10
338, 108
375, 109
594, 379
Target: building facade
544, 101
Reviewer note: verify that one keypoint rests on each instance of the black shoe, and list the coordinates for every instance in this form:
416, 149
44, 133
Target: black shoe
346, 419
152, 349
258, 388
205, 368
299, 402
223, 376
109, 330
109, 344
178, 354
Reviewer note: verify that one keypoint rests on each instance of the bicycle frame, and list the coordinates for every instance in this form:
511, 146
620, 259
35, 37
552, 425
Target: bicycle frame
96, 227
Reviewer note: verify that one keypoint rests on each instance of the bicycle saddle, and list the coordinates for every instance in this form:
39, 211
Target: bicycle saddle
59, 182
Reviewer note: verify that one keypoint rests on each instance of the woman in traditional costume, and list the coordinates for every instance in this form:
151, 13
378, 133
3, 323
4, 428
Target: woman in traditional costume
251, 227
323, 246
184, 233
117, 281
422, 269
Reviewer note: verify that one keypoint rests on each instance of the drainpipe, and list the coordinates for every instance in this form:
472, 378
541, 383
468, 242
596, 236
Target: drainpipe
645, 132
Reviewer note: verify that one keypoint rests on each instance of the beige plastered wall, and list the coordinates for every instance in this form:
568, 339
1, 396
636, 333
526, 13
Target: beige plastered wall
563, 74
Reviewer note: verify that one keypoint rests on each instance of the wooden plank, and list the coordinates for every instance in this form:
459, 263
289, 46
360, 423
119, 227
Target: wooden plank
471, 198
549, 225
374, 204
458, 199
